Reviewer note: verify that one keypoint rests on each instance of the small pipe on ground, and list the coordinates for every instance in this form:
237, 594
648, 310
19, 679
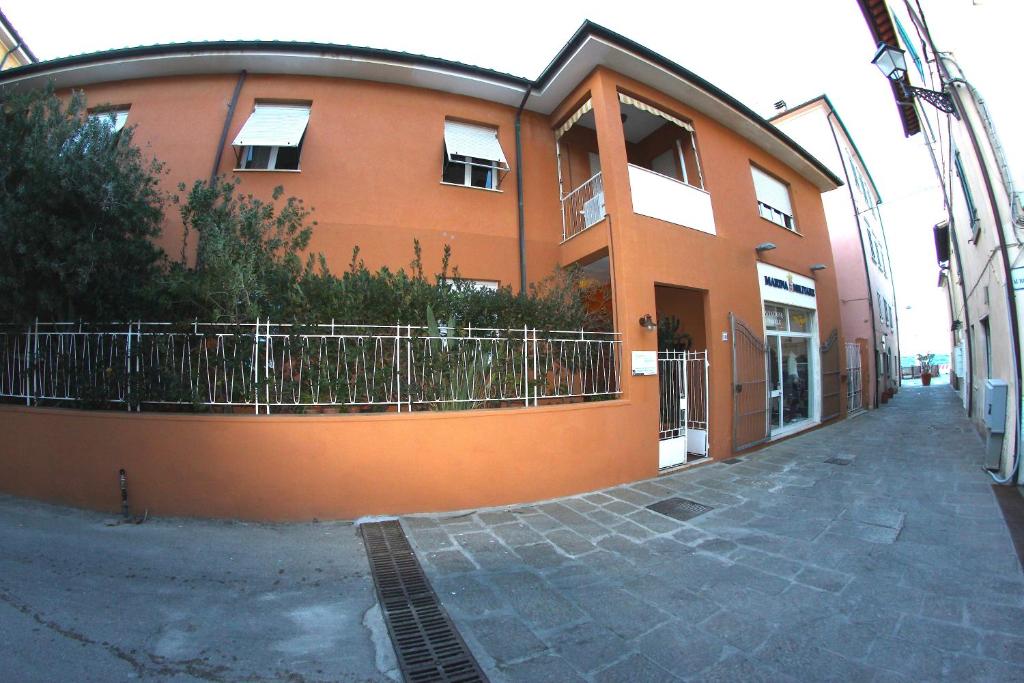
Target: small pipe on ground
123, 479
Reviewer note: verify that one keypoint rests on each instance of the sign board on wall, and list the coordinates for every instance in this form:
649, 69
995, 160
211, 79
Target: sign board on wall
645, 362
1017, 276
786, 287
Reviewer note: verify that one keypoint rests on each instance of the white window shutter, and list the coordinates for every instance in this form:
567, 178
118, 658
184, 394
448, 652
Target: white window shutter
274, 125
466, 139
771, 192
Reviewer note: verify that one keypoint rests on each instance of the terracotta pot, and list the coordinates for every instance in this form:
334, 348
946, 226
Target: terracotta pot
926, 379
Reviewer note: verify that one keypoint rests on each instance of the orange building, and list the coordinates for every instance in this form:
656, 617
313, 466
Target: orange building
692, 208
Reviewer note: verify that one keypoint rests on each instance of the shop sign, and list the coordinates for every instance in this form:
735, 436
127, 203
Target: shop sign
785, 287
1017, 276
645, 363
788, 285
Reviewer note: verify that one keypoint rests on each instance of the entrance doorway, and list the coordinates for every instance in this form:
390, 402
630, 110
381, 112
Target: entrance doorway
683, 411
790, 357
682, 376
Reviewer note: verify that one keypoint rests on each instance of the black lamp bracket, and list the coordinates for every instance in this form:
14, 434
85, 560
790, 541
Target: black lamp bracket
937, 98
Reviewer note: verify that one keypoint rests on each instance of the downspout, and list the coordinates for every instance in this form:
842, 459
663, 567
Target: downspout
519, 192
8, 54
864, 256
227, 126
895, 304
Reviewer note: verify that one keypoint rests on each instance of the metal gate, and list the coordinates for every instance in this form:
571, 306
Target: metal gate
750, 386
697, 437
683, 414
854, 390
830, 382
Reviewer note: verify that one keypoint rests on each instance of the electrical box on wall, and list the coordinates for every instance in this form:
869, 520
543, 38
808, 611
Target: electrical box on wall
995, 405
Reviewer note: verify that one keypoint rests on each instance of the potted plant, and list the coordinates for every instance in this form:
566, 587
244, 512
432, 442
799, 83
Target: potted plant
926, 368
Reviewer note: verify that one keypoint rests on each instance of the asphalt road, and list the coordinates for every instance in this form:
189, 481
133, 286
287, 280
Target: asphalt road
184, 600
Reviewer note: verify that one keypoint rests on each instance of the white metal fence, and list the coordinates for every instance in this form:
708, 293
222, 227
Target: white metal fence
583, 207
854, 390
262, 367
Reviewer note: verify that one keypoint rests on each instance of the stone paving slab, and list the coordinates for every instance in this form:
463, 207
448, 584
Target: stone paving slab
896, 566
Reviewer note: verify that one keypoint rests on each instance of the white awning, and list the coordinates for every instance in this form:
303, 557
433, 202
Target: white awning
274, 125
643, 106
771, 191
466, 139
571, 121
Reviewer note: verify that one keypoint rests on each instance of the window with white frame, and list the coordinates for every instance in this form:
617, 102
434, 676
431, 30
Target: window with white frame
773, 201
965, 186
272, 136
115, 117
472, 156
481, 285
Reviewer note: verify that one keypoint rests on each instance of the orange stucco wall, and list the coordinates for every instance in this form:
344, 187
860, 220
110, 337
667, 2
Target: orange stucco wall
325, 466
371, 165
648, 251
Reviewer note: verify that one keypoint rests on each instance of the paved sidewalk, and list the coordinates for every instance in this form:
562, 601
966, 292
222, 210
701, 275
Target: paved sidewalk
895, 566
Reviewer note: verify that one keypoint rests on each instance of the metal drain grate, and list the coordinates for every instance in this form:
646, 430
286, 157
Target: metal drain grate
679, 508
839, 461
426, 642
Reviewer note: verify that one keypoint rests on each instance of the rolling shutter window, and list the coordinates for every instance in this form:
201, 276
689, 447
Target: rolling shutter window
274, 125
468, 140
771, 192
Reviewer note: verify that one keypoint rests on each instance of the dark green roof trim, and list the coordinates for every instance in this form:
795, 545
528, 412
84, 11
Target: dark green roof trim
587, 29
326, 49
846, 131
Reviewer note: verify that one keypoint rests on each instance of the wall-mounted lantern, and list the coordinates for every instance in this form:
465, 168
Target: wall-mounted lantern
892, 62
818, 266
763, 247
647, 322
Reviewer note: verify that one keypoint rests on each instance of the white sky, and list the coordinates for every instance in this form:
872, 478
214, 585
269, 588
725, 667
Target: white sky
757, 51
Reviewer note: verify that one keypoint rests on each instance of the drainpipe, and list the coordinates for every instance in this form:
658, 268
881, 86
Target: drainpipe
227, 126
519, 192
8, 54
864, 256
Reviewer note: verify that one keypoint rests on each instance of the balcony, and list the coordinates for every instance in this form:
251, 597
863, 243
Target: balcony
583, 207
664, 168
659, 196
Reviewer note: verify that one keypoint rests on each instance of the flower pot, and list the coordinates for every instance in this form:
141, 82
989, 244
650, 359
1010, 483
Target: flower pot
926, 379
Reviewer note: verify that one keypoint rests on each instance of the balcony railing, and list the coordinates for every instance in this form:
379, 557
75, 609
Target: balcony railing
262, 367
583, 207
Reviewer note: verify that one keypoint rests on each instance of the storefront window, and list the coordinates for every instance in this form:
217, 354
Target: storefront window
788, 338
774, 318
796, 379
799, 321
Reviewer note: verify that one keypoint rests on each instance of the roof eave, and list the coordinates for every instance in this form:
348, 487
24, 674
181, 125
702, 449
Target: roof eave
879, 21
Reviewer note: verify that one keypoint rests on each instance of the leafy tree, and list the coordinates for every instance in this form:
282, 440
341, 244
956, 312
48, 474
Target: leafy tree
248, 261
80, 208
